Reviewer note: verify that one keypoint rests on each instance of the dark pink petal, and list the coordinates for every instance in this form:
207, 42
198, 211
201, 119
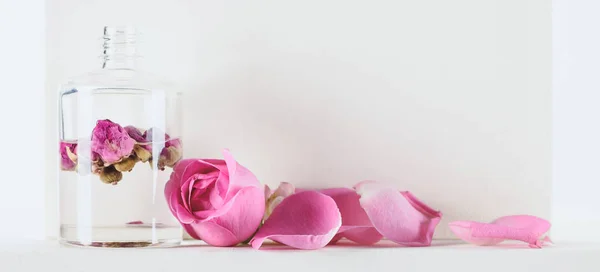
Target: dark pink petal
363, 235
111, 141
194, 167
335, 239
356, 225
173, 195
135, 134
237, 223
207, 215
190, 230
400, 217
212, 233
526, 228
305, 220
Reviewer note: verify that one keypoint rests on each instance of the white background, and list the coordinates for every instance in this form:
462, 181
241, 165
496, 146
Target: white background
448, 99
576, 115
22, 79
313, 57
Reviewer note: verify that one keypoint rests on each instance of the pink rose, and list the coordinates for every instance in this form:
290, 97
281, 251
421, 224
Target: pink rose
217, 201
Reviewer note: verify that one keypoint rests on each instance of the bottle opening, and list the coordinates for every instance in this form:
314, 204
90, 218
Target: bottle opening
120, 47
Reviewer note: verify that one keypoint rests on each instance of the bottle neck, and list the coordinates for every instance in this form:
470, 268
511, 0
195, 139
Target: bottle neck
120, 62
120, 48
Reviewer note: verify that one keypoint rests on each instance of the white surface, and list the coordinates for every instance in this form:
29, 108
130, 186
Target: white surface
22, 79
448, 99
443, 256
576, 131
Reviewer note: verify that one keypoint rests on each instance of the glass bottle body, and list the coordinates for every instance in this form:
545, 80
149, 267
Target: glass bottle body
119, 139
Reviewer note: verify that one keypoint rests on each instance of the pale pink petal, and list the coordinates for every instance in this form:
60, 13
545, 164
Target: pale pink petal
237, 224
268, 191
462, 229
537, 225
356, 225
284, 189
305, 220
526, 228
400, 217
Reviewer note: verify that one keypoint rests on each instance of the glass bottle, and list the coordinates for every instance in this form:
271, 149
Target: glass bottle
119, 137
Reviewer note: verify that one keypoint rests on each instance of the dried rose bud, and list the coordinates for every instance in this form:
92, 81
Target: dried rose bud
111, 142
171, 153
126, 165
110, 175
142, 153
68, 156
97, 164
169, 157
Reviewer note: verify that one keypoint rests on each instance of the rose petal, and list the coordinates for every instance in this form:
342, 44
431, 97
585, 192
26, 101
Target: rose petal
526, 228
215, 198
356, 225
335, 239
363, 235
305, 220
530, 222
239, 176
172, 191
194, 167
207, 215
212, 233
268, 191
135, 134
237, 224
190, 230
273, 199
400, 217
462, 229
284, 189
